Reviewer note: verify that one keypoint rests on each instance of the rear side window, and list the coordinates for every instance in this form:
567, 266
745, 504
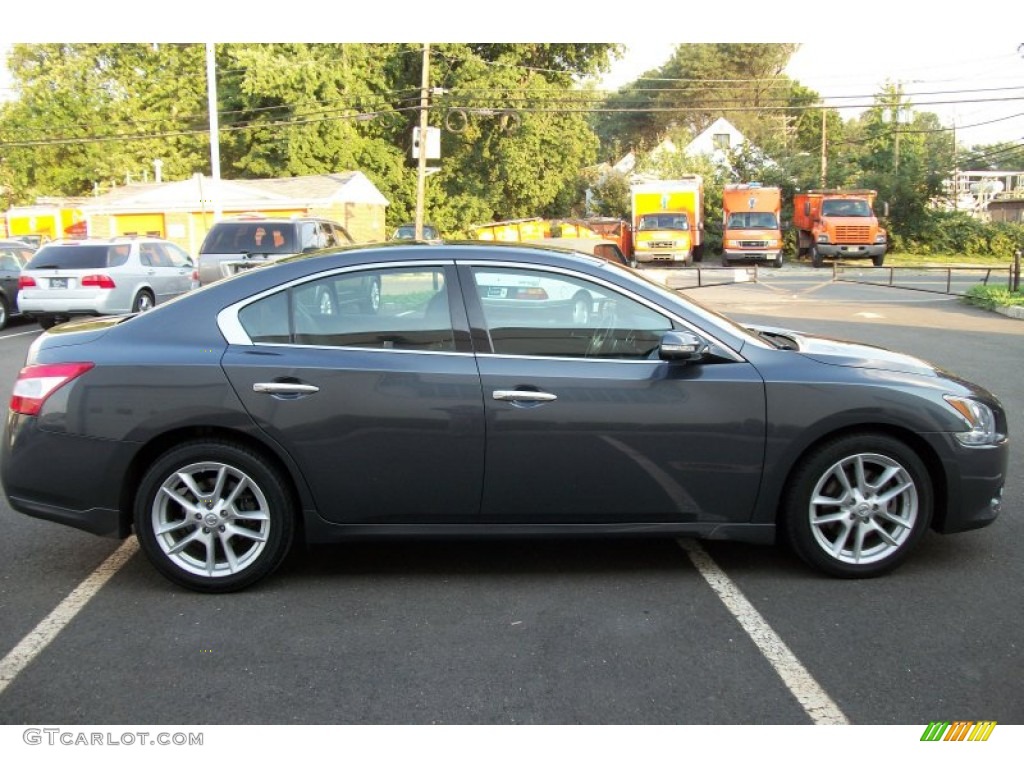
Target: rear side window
79, 257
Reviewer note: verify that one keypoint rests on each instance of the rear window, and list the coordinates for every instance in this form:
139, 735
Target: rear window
250, 237
79, 256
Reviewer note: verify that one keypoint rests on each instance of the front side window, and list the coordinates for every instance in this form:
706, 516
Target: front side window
547, 314
405, 309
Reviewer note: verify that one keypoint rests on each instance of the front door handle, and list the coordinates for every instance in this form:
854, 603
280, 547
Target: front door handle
284, 388
523, 396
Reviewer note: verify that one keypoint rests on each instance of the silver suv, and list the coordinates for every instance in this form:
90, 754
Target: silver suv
235, 245
102, 277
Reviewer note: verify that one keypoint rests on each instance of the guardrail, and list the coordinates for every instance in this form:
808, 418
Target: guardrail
953, 281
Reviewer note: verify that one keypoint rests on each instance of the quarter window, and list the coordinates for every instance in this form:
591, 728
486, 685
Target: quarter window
548, 314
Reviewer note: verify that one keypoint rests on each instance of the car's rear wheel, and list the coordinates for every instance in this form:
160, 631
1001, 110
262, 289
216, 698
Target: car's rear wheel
143, 302
46, 321
4, 312
858, 505
213, 516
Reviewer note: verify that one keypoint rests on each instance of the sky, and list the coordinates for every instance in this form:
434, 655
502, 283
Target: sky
961, 67
977, 88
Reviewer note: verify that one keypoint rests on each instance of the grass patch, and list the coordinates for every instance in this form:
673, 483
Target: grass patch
945, 260
992, 296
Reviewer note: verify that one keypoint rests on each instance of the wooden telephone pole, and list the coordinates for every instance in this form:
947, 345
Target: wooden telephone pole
421, 179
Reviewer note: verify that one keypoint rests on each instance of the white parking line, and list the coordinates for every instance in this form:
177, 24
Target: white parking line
812, 697
46, 630
20, 333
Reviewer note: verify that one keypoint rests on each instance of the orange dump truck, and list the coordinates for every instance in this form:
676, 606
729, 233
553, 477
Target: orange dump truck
838, 224
668, 221
751, 229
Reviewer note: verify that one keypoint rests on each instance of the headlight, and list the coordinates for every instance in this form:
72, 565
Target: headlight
732, 243
979, 418
879, 239
772, 243
822, 238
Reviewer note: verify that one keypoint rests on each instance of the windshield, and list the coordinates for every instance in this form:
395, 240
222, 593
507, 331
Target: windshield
752, 220
250, 237
663, 221
845, 208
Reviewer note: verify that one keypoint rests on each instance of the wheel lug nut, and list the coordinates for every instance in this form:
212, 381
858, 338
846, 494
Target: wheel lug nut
221, 529
198, 516
205, 529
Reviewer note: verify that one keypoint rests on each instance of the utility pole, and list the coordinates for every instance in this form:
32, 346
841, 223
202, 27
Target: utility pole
421, 179
824, 155
211, 99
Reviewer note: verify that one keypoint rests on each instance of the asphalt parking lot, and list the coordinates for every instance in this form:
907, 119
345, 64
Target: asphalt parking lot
550, 632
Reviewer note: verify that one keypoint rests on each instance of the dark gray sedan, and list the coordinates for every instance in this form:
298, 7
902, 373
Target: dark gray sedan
493, 390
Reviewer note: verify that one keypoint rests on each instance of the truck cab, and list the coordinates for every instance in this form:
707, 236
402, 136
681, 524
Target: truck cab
751, 227
838, 224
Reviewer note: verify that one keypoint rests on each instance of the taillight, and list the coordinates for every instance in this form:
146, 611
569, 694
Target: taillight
97, 281
25, 281
37, 382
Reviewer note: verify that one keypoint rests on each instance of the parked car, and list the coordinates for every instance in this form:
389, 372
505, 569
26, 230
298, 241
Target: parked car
239, 244
14, 254
65, 278
222, 426
408, 232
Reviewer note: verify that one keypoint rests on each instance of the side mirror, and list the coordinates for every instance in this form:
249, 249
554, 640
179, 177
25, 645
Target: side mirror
682, 346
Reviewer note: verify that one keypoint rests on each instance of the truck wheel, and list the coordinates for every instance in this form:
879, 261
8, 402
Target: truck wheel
878, 260
816, 260
777, 263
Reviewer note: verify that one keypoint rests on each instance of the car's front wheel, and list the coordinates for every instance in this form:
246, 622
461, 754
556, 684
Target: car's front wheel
213, 516
858, 505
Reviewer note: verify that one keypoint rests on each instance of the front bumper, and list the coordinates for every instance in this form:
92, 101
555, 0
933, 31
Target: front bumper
974, 484
736, 254
846, 251
671, 257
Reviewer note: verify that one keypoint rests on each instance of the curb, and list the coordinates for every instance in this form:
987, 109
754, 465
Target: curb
1017, 313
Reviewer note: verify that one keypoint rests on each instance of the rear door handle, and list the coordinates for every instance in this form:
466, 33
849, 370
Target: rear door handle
284, 388
523, 396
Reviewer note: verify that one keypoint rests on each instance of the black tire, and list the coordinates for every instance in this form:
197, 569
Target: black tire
848, 528
46, 322
247, 511
725, 261
777, 263
878, 261
143, 302
4, 312
816, 259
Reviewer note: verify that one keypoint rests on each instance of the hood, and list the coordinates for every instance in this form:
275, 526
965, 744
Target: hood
847, 353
